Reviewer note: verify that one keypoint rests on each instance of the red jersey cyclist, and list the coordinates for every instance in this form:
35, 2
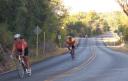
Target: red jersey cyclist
20, 46
71, 45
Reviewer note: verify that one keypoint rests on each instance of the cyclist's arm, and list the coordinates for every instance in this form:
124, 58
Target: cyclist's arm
23, 47
67, 45
76, 43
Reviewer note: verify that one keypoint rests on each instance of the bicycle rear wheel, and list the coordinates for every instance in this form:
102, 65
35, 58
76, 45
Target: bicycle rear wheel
20, 70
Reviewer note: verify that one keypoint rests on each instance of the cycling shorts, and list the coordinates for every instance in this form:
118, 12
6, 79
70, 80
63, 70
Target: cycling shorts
25, 51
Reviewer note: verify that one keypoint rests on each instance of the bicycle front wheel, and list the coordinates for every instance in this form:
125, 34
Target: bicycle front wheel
20, 70
72, 54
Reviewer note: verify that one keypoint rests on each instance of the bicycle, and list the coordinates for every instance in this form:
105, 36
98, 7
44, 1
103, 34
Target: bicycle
72, 52
21, 67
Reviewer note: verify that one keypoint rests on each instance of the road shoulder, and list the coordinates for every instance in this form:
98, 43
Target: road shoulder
120, 48
36, 59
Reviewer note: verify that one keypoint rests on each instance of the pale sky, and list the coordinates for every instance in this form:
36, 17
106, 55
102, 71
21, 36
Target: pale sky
96, 5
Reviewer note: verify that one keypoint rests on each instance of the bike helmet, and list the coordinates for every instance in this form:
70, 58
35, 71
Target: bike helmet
17, 36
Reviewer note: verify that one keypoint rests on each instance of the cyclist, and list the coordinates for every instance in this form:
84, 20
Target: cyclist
71, 45
20, 45
86, 36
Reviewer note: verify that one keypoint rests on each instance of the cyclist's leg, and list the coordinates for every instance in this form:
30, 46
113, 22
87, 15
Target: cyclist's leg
20, 65
27, 60
18, 52
73, 51
19, 56
69, 48
73, 48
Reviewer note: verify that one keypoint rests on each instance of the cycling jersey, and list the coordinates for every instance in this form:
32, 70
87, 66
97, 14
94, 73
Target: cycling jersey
21, 45
71, 42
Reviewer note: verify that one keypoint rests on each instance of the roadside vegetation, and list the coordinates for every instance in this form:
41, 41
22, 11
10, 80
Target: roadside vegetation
122, 27
23, 16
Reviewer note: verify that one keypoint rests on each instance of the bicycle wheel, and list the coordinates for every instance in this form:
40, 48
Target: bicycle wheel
20, 70
72, 54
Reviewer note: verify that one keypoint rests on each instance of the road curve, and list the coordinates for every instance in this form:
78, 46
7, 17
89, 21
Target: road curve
94, 62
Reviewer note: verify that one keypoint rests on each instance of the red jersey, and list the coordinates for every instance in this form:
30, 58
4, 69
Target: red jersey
21, 44
70, 42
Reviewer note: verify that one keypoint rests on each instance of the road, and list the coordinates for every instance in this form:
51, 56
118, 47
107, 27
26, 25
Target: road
93, 62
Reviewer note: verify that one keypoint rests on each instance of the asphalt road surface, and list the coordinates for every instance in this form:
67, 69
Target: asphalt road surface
93, 62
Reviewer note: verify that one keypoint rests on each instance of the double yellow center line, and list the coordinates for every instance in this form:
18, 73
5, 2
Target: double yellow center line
76, 69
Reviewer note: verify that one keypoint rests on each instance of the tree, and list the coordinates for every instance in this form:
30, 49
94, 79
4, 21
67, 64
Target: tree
124, 5
22, 16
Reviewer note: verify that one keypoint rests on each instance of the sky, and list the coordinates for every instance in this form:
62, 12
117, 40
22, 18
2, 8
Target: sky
88, 5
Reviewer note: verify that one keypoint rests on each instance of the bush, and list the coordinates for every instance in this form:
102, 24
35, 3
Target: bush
1, 57
6, 36
118, 42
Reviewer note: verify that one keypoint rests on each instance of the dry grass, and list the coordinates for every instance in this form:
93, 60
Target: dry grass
123, 49
120, 49
58, 51
34, 59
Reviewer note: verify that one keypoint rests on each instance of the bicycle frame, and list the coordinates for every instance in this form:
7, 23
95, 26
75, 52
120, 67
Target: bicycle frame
71, 50
21, 66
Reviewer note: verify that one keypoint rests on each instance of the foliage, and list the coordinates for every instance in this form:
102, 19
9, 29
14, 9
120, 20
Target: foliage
89, 23
22, 16
123, 28
124, 5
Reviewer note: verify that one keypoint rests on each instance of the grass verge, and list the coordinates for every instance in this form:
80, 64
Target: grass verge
34, 59
121, 48
40, 57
